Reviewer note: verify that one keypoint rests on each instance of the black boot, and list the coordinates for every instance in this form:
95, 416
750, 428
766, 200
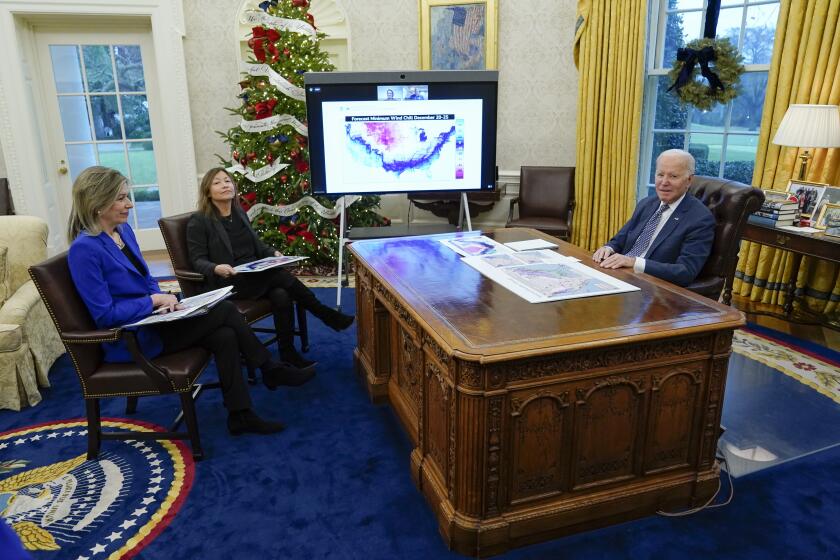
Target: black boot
336, 320
247, 421
290, 355
276, 373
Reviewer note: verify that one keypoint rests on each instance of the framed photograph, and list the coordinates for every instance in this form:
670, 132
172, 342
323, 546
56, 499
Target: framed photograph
808, 194
829, 217
830, 196
458, 35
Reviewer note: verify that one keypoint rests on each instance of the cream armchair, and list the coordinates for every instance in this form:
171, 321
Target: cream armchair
29, 343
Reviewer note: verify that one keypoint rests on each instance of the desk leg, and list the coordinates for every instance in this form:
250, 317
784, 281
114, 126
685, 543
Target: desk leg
791, 289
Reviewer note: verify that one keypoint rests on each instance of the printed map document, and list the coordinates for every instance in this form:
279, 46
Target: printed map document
192, 306
266, 263
471, 246
544, 275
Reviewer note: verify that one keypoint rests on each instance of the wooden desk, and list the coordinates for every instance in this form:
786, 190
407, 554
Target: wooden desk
536, 420
818, 245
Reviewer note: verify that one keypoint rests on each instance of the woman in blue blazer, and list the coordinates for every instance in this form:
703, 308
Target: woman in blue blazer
220, 237
113, 280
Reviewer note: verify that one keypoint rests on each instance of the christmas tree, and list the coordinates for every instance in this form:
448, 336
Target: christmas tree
269, 157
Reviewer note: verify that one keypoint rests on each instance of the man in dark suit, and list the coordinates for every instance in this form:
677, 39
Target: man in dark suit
670, 234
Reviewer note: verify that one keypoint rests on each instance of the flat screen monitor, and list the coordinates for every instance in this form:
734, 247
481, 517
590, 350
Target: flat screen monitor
401, 132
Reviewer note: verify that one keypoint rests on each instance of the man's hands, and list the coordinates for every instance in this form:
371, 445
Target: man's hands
607, 258
224, 270
164, 303
602, 253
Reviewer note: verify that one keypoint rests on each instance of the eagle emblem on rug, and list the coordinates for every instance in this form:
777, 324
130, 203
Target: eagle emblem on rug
109, 507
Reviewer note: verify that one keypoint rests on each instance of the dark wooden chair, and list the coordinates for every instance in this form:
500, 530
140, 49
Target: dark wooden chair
546, 200
174, 230
731, 204
174, 373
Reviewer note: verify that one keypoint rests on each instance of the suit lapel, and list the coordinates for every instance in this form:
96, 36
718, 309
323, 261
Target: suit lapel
643, 220
669, 226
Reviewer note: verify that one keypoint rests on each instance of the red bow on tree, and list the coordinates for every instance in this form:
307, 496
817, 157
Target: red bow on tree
264, 39
264, 108
247, 200
297, 230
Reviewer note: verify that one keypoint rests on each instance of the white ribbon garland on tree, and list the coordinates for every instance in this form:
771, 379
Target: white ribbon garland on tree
276, 80
291, 209
272, 122
258, 175
295, 25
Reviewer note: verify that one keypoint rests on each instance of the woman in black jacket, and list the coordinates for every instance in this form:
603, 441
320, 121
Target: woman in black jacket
220, 237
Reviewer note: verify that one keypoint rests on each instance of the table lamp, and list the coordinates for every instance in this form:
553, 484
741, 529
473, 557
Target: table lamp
809, 126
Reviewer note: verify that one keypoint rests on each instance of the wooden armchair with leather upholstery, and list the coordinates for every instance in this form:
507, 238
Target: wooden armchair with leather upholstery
546, 200
174, 373
731, 204
174, 230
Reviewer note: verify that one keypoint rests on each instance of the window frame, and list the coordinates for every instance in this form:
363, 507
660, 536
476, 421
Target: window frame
654, 69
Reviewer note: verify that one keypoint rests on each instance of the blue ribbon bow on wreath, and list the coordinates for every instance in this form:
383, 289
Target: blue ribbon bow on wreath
690, 57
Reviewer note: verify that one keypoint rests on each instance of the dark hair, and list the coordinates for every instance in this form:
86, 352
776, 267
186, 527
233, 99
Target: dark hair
205, 203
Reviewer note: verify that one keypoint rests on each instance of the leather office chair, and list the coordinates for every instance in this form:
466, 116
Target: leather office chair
546, 200
731, 204
173, 373
174, 230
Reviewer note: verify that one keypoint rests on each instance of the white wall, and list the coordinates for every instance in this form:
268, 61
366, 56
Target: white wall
537, 77
2, 163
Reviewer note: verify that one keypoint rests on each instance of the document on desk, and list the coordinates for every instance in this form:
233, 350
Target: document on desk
543, 275
475, 245
531, 244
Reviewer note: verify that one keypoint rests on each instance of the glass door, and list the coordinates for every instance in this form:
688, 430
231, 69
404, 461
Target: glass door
103, 100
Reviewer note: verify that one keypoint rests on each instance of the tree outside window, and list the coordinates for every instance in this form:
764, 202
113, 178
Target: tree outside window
723, 140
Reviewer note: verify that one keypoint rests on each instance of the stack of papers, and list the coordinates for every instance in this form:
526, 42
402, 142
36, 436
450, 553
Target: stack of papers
543, 275
190, 307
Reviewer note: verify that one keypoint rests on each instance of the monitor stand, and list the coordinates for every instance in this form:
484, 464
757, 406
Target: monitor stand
385, 232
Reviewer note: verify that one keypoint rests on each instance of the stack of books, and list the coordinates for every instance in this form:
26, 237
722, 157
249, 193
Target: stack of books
779, 209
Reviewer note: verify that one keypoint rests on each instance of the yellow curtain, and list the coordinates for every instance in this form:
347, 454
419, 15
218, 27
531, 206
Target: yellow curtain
609, 52
804, 69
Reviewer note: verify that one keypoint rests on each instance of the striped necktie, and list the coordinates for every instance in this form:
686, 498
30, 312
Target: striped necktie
644, 239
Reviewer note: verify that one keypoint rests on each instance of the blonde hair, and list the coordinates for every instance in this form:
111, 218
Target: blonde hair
94, 191
205, 203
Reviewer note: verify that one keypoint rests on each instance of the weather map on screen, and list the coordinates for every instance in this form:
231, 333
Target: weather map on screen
383, 146
401, 132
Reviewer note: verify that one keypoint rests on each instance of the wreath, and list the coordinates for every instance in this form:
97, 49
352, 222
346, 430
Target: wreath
724, 76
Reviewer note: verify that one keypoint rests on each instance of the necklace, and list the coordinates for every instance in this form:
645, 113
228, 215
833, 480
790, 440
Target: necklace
118, 240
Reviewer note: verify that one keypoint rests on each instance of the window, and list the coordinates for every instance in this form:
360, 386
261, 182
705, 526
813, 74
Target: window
724, 139
105, 118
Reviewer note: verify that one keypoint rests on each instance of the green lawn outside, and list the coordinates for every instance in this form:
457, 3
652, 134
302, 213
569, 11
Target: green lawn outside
142, 165
739, 147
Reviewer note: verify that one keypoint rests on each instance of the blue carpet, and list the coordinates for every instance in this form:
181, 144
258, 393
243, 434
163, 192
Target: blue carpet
336, 484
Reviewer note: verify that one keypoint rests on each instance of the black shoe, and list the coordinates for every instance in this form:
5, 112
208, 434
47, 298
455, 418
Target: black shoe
290, 355
276, 373
336, 320
246, 421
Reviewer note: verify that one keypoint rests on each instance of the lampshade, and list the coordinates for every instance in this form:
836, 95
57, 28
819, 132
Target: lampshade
809, 126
